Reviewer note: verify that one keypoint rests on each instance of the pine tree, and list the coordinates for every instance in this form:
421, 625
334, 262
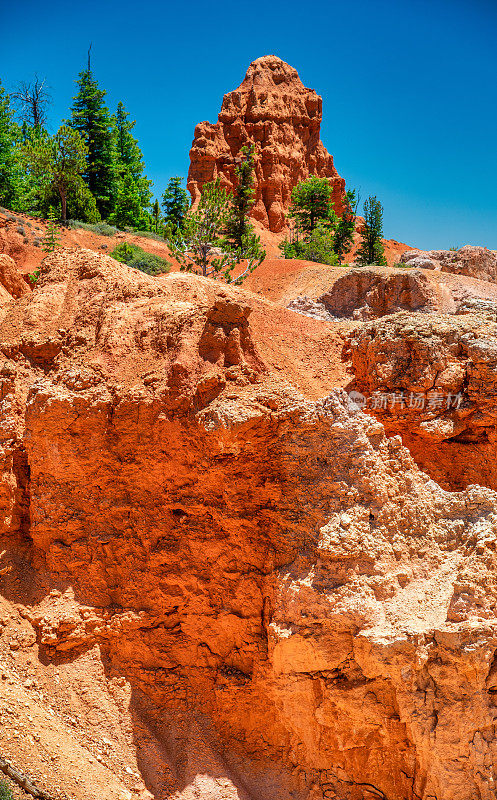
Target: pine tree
7, 152
128, 211
243, 197
202, 230
312, 204
175, 203
57, 162
371, 250
156, 215
51, 239
91, 118
130, 157
344, 231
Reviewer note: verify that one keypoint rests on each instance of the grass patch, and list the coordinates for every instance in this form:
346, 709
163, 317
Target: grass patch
150, 235
101, 228
136, 257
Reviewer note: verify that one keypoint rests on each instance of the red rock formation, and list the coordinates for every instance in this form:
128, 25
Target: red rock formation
433, 379
272, 109
471, 261
281, 603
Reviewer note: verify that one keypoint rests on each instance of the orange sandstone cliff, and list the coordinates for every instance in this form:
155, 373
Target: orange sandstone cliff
273, 110
226, 581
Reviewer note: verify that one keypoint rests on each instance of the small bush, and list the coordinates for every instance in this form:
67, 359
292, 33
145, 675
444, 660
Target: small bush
316, 246
21, 230
25, 240
5, 791
134, 256
37, 241
102, 228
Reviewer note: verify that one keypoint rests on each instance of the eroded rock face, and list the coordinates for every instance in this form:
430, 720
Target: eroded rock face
369, 292
433, 378
471, 261
299, 611
273, 110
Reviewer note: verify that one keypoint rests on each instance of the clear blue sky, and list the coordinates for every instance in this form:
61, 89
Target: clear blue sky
409, 88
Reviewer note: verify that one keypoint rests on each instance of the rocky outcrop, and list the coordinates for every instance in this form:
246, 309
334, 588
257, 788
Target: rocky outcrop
10, 278
310, 308
433, 379
270, 583
370, 292
274, 111
471, 261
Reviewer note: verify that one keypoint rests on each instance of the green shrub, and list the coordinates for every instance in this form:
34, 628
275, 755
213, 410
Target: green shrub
21, 230
316, 246
134, 256
102, 228
5, 791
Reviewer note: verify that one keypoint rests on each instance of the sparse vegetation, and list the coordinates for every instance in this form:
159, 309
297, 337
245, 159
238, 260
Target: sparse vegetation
102, 228
51, 239
5, 791
201, 246
136, 257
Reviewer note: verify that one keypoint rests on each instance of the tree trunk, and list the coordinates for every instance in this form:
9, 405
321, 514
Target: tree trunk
63, 203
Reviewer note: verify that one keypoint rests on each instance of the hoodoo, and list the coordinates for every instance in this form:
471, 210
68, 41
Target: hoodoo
273, 110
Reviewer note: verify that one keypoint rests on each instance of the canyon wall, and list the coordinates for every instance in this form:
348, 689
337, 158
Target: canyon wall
274, 111
298, 611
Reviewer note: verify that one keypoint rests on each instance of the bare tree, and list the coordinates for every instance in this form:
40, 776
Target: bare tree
32, 101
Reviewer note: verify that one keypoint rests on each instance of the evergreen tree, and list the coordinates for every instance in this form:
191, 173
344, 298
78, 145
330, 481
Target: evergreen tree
344, 231
57, 162
311, 203
243, 197
7, 151
371, 250
130, 157
156, 215
90, 117
128, 211
175, 202
202, 230
52, 235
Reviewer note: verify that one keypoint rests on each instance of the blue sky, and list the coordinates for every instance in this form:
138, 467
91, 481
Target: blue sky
409, 88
